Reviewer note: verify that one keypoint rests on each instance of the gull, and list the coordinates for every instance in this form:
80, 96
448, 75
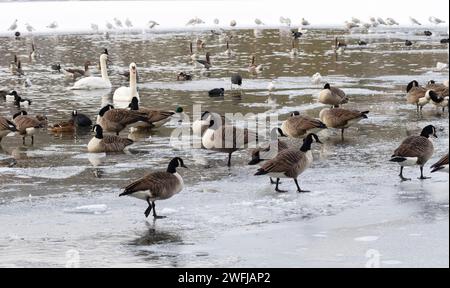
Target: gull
118, 23
128, 23
414, 21
13, 26
305, 22
366, 25
350, 25
53, 25
152, 24
381, 21
435, 20
233, 23
286, 21
29, 27
356, 20
391, 21
109, 26
258, 22
216, 21
195, 21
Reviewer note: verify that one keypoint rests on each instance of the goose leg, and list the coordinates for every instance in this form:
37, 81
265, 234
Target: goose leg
299, 190
229, 160
149, 209
421, 174
273, 182
401, 175
32, 140
23, 140
276, 188
154, 212
342, 134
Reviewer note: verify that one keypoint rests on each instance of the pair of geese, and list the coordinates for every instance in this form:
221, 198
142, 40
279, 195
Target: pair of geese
437, 94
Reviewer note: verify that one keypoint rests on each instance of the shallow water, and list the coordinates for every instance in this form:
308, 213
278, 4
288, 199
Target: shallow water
41, 196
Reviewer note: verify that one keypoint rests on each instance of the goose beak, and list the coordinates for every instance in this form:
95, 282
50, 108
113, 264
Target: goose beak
184, 166
435, 136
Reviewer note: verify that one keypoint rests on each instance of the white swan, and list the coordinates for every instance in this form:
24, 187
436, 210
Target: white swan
93, 83
124, 95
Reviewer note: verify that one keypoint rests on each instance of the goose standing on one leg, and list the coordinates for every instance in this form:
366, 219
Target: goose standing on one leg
92, 83
106, 144
415, 150
157, 186
124, 95
290, 163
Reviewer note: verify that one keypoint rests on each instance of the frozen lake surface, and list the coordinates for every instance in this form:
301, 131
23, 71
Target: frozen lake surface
54, 201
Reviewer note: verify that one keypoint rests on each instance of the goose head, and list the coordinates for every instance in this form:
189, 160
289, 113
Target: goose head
428, 131
98, 130
174, 164
14, 93
295, 113
327, 86
105, 109
411, 85
21, 113
74, 113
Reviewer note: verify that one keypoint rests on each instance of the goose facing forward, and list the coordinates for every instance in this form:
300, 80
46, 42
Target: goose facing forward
290, 163
93, 83
341, 118
415, 150
332, 96
298, 125
106, 144
441, 165
126, 94
157, 186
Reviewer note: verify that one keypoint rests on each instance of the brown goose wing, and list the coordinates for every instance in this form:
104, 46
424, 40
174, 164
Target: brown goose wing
283, 162
24, 122
158, 183
339, 117
115, 144
75, 71
5, 124
338, 92
155, 115
415, 94
443, 161
414, 146
124, 117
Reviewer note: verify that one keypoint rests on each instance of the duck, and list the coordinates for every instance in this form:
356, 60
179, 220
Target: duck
216, 92
408, 43
107, 144
93, 83
115, 120
441, 165
126, 94
218, 138
332, 96
76, 73
27, 125
63, 127
236, 79
156, 118
296, 34
56, 67
339, 118
428, 33
415, 150
157, 186
445, 41
6, 127
81, 120
206, 64
298, 125
52, 25
183, 76
416, 95
290, 163
253, 68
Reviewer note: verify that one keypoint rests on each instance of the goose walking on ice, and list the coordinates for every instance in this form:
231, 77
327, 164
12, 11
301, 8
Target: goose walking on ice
93, 83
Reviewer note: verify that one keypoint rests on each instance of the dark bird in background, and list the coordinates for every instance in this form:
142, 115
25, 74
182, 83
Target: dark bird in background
217, 92
236, 79
428, 33
444, 41
182, 76
56, 67
408, 43
81, 120
362, 43
296, 34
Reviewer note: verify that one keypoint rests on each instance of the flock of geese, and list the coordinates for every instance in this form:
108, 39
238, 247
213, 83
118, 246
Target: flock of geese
276, 158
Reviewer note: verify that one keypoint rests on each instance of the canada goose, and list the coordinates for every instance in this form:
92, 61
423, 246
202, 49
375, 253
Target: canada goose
216, 92
438, 100
441, 165
341, 118
415, 150
91, 83
445, 41
262, 153
236, 79
115, 120
26, 125
332, 96
63, 127
227, 139
6, 127
298, 125
155, 117
157, 186
13, 65
206, 64
408, 43
11, 96
81, 120
17, 70
427, 33
253, 68
106, 144
126, 94
290, 163
75, 73
56, 67
440, 89
183, 76
33, 53
228, 52
416, 95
